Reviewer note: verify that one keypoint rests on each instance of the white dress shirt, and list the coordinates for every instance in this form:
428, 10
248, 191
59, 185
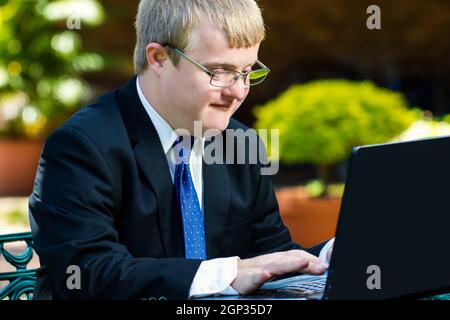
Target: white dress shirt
213, 276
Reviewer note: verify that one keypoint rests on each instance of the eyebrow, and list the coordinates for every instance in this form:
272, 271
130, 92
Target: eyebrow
226, 66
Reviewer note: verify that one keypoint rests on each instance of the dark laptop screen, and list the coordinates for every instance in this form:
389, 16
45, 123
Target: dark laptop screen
394, 227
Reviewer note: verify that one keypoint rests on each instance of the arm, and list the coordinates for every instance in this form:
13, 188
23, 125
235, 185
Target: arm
270, 233
273, 252
73, 210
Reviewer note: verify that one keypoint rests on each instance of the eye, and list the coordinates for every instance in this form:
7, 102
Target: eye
218, 74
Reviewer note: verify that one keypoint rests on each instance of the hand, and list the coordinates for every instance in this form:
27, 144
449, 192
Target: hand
253, 273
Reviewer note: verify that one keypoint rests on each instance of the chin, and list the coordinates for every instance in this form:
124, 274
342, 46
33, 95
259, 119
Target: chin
220, 125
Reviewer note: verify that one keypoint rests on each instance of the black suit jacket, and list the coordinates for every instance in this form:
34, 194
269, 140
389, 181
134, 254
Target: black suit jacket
103, 200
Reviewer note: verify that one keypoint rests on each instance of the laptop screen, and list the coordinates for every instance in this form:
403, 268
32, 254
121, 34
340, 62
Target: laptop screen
393, 232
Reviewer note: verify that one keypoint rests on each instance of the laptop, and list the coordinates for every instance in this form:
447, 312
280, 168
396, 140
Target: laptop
393, 233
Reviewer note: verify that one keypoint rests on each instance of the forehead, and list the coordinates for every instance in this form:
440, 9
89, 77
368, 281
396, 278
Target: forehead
209, 44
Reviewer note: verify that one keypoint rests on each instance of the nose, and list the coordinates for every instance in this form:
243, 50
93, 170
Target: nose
237, 91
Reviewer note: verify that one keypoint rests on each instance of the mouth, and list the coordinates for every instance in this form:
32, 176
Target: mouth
224, 107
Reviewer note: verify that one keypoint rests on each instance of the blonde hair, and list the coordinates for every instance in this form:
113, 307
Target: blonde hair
172, 22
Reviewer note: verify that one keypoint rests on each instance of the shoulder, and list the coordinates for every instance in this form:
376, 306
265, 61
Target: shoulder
100, 123
100, 120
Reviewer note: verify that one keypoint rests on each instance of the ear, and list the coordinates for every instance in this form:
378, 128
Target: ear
156, 56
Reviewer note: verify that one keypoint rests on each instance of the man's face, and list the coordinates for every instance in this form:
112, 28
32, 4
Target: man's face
187, 88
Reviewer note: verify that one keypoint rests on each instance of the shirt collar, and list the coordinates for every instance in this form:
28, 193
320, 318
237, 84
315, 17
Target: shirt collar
166, 134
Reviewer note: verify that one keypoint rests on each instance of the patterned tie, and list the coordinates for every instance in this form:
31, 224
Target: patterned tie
193, 224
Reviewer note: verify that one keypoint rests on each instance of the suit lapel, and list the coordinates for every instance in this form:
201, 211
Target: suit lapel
152, 163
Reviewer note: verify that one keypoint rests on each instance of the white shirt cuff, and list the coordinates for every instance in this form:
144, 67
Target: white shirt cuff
324, 251
214, 277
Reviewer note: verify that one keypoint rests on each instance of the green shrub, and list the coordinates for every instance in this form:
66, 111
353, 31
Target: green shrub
321, 121
17, 217
42, 63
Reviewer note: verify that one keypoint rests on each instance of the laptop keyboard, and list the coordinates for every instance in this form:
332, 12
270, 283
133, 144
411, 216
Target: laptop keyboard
312, 286
304, 286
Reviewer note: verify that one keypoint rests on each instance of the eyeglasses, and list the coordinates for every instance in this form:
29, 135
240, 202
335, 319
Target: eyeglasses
226, 78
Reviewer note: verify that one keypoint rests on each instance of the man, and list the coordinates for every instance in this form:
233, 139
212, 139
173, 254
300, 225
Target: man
111, 201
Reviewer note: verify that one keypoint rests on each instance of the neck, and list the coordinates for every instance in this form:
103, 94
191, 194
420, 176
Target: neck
154, 94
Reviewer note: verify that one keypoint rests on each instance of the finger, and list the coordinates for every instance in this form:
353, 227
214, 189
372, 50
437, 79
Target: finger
306, 255
265, 276
311, 266
287, 264
315, 268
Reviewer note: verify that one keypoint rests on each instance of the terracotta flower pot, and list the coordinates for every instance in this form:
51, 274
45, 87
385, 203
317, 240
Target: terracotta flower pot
18, 164
310, 220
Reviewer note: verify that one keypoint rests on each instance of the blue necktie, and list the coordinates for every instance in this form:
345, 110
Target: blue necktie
193, 223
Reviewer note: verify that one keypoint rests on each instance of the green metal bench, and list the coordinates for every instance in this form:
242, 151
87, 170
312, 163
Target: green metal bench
21, 282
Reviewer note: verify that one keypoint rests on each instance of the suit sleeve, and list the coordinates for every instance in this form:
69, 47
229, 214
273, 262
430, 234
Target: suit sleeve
269, 232
73, 211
